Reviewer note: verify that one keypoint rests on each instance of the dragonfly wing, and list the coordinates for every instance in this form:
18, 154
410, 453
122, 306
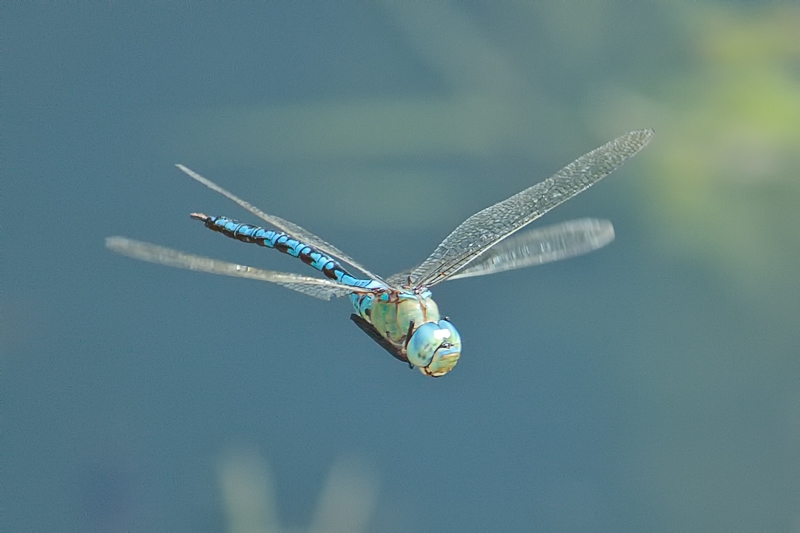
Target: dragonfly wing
290, 228
318, 291
486, 228
533, 247
400, 279
317, 287
541, 245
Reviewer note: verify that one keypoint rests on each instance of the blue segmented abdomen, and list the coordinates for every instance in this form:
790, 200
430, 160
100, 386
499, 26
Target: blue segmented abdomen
283, 243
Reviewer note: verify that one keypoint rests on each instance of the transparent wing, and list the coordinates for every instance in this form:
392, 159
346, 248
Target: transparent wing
292, 229
534, 247
541, 245
486, 228
317, 287
400, 279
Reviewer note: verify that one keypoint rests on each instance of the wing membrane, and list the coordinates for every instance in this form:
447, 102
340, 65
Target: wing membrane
486, 228
292, 229
400, 279
144, 251
541, 245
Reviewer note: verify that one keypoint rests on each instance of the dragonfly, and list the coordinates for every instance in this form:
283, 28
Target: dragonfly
398, 312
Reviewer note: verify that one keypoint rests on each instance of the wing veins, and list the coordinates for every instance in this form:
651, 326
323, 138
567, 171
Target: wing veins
144, 251
489, 226
541, 245
301, 234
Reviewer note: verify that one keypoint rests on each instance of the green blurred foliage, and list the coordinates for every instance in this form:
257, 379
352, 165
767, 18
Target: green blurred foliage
726, 185
250, 504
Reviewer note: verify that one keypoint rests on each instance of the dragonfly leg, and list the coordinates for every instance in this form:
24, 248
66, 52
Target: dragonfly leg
370, 330
408, 338
408, 334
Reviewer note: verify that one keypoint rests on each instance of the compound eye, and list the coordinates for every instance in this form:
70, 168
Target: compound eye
423, 343
449, 334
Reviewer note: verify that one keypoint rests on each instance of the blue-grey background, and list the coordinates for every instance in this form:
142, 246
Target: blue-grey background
650, 386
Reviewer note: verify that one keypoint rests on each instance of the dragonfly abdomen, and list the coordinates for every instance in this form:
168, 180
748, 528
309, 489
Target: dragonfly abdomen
279, 241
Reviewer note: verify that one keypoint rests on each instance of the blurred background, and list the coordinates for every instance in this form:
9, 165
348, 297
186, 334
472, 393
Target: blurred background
650, 386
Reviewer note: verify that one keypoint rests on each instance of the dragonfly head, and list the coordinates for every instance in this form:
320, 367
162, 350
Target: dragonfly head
434, 348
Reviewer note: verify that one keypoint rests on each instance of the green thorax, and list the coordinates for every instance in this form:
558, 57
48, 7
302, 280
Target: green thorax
392, 312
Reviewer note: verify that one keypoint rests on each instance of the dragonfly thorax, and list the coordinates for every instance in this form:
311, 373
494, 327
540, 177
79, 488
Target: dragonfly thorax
410, 321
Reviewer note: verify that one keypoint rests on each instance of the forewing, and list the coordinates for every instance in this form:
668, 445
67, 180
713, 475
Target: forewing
400, 279
290, 228
317, 287
486, 228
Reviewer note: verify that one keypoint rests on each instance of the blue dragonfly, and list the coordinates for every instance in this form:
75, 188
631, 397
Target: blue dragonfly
398, 311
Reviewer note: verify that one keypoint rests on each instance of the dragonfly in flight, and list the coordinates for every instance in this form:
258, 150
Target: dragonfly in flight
398, 311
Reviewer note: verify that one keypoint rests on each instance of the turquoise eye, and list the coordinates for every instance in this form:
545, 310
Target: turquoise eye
423, 343
451, 336
446, 355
